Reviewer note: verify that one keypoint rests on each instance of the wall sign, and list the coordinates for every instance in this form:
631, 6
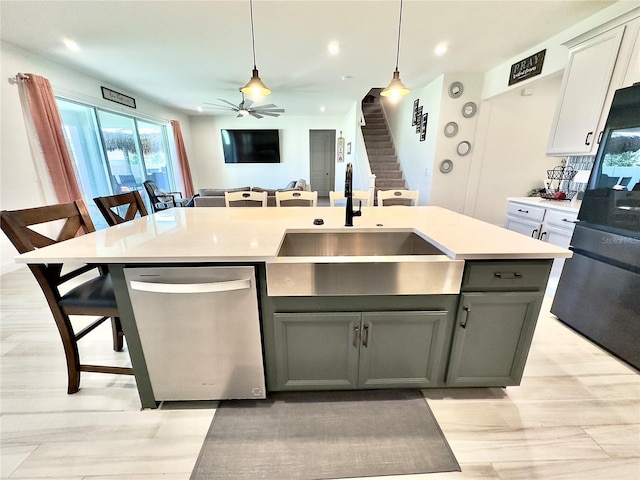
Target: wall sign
527, 68
120, 98
423, 127
340, 148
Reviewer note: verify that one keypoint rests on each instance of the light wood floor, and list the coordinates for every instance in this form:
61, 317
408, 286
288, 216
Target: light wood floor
575, 416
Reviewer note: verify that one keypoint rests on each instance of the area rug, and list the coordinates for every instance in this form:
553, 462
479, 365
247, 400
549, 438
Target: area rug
324, 435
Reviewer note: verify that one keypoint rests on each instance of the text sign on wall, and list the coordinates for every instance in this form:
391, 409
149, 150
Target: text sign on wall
527, 68
120, 98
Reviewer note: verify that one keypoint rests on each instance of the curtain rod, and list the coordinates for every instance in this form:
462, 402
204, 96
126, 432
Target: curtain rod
19, 77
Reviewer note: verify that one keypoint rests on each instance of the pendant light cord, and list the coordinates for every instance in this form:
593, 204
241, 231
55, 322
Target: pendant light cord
253, 40
399, 26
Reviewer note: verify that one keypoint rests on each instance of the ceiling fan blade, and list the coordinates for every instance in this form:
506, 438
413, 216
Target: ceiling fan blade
254, 114
219, 108
229, 103
239, 115
268, 105
272, 110
247, 103
270, 114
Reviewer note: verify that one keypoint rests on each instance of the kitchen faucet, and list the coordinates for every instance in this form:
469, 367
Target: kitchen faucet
348, 193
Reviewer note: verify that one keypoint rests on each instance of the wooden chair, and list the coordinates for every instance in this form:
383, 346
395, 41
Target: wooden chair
245, 199
398, 197
131, 200
161, 200
358, 196
94, 297
296, 198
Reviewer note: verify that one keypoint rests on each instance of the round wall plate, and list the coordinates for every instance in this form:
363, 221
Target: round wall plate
469, 109
450, 129
463, 148
455, 89
446, 166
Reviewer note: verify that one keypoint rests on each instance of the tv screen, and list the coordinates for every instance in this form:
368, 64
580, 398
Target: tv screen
251, 146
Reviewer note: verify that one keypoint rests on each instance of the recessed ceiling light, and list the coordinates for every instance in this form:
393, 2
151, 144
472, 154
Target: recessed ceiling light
334, 48
441, 49
199, 109
322, 109
346, 77
71, 45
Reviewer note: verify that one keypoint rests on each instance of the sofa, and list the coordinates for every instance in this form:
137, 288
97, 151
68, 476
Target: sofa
214, 197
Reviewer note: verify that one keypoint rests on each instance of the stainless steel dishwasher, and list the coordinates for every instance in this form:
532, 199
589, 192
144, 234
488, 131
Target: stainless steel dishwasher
200, 332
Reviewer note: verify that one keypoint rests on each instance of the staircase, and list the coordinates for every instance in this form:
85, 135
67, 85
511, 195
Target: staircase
380, 149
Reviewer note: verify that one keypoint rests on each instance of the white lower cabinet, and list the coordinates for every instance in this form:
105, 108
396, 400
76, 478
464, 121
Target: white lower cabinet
548, 223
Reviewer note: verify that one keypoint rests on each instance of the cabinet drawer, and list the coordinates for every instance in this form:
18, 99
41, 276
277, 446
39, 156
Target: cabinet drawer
513, 276
525, 211
561, 219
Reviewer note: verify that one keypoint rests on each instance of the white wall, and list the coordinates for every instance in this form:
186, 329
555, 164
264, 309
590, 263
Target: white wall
20, 184
416, 158
420, 160
294, 151
511, 137
449, 190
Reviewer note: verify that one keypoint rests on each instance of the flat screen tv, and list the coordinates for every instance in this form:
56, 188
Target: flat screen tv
251, 146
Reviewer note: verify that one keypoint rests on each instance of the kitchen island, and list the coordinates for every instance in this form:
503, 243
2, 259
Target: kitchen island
475, 335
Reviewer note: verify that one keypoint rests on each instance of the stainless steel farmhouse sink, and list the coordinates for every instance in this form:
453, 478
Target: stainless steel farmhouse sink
339, 263
323, 244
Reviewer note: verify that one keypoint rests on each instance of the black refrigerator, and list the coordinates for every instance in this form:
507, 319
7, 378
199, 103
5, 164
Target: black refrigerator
598, 294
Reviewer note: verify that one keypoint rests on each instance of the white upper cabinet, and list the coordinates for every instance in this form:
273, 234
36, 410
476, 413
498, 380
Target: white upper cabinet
596, 68
584, 89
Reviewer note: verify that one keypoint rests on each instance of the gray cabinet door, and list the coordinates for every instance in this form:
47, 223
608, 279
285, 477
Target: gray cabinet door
402, 349
315, 351
492, 337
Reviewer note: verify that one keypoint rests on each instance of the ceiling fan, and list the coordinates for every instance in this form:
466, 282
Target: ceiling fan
245, 108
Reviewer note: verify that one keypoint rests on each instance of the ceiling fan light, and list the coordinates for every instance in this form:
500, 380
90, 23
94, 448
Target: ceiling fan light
255, 87
396, 88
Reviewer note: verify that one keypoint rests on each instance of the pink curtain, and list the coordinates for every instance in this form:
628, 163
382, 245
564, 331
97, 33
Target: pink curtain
48, 126
183, 161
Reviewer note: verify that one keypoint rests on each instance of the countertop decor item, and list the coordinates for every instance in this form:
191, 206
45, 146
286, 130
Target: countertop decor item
446, 166
463, 148
455, 89
450, 129
562, 174
469, 109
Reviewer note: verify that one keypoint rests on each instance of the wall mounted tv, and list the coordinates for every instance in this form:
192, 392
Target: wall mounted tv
251, 146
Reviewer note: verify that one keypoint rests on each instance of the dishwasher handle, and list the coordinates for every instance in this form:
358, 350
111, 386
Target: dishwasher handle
208, 287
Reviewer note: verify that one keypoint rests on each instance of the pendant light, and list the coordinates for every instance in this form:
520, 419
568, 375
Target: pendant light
255, 87
396, 88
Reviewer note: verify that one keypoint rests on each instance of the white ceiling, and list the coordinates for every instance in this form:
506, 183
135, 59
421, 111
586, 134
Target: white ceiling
182, 53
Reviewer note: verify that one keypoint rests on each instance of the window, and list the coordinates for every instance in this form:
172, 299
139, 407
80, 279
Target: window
114, 153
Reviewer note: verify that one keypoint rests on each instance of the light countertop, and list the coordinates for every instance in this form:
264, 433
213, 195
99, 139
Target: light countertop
254, 235
565, 205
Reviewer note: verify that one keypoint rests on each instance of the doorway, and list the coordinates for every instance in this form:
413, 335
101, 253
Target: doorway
322, 154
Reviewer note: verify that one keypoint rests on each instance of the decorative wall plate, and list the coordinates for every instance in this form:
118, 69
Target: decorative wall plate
455, 89
446, 166
469, 109
450, 129
463, 148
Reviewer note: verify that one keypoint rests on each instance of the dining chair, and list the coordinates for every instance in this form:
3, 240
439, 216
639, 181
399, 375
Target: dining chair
245, 199
131, 200
358, 195
398, 197
161, 200
93, 297
296, 198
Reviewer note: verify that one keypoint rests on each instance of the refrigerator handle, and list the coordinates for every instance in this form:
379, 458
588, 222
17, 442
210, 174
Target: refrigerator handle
209, 287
